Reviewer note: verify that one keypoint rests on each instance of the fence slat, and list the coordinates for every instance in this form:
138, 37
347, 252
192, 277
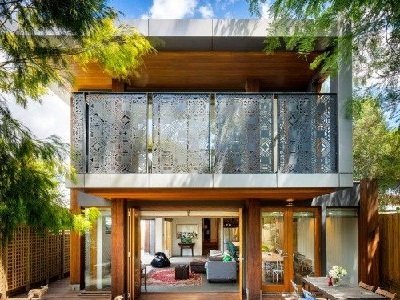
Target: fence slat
29, 259
390, 251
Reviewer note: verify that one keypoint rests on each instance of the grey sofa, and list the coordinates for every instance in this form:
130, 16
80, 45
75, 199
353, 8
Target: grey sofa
220, 271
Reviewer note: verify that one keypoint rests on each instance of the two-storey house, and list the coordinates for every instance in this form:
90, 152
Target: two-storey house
211, 132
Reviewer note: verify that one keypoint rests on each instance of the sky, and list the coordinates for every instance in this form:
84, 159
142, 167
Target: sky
183, 9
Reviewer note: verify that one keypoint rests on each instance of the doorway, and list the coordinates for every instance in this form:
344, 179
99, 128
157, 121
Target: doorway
170, 226
290, 239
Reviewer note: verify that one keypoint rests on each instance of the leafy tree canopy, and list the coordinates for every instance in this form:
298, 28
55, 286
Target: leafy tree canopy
370, 31
39, 41
376, 148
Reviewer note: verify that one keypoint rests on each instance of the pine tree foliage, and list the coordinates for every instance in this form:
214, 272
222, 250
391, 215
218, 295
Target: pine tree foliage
376, 148
40, 41
29, 170
369, 30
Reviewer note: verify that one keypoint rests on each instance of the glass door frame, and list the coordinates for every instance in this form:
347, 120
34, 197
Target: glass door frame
288, 245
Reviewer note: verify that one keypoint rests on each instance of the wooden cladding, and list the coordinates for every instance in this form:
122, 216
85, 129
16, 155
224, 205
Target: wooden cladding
207, 70
389, 250
202, 194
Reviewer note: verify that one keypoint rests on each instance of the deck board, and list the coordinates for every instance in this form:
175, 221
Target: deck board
60, 290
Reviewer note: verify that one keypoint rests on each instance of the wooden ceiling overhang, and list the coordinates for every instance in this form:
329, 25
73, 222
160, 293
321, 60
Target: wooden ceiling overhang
204, 194
210, 55
208, 71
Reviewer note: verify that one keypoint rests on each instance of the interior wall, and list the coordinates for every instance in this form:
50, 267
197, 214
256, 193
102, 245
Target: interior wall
176, 250
158, 237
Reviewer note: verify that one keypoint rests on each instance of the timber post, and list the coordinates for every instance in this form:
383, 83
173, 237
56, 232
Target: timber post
368, 234
118, 250
253, 251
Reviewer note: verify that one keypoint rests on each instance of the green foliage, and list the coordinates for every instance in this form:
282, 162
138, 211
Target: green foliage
118, 49
375, 147
84, 222
29, 170
367, 30
39, 40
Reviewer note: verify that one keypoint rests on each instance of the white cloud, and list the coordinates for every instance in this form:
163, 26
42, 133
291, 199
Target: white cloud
206, 11
265, 10
51, 117
171, 9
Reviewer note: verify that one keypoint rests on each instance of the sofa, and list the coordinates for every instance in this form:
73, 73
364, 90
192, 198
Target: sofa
220, 271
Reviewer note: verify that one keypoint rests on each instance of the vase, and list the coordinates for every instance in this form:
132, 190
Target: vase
335, 281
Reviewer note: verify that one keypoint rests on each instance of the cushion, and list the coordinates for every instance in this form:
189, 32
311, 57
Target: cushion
216, 255
308, 295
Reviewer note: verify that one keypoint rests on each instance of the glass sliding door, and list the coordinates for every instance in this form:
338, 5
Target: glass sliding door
98, 253
342, 241
290, 238
273, 247
303, 244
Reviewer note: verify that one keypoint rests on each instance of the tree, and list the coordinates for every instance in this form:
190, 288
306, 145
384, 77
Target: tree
39, 41
376, 148
369, 30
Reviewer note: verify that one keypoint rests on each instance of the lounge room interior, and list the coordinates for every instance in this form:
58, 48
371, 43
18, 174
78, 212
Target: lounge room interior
203, 252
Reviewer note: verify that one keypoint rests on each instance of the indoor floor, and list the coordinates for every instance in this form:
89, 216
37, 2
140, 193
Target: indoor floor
204, 287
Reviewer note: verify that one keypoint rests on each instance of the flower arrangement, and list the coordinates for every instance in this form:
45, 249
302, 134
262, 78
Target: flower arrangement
187, 237
337, 273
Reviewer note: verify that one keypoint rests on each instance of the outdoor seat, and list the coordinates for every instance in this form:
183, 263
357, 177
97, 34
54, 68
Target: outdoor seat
311, 296
277, 272
296, 293
366, 286
385, 293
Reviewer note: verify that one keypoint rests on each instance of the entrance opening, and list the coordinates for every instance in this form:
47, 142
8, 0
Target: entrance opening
202, 250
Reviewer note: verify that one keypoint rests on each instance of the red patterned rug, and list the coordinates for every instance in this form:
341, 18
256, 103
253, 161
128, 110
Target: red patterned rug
166, 276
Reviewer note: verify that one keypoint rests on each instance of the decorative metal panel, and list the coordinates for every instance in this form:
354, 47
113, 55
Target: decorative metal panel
244, 134
78, 132
117, 133
307, 133
181, 133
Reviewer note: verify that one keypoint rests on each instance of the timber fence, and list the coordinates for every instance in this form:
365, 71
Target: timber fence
389, 228
30, 259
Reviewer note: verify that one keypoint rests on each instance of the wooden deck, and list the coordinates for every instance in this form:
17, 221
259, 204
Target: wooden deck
60, 290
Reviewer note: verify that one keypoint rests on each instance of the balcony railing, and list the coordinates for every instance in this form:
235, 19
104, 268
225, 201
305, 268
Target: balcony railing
225, 133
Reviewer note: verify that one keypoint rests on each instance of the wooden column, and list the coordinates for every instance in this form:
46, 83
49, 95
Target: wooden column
253, 250
368, 233
252, 85
75, 245
118, 248
118, 85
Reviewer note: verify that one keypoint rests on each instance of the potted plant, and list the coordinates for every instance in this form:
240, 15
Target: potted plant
337, 273
187, 237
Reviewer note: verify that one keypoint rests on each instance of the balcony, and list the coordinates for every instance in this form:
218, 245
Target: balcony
205, 139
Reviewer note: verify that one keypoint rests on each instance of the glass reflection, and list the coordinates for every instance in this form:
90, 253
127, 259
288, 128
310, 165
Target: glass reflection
98, 253
303, 244
272, 240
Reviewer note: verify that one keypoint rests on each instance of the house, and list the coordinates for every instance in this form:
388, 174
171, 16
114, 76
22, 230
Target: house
215, 137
